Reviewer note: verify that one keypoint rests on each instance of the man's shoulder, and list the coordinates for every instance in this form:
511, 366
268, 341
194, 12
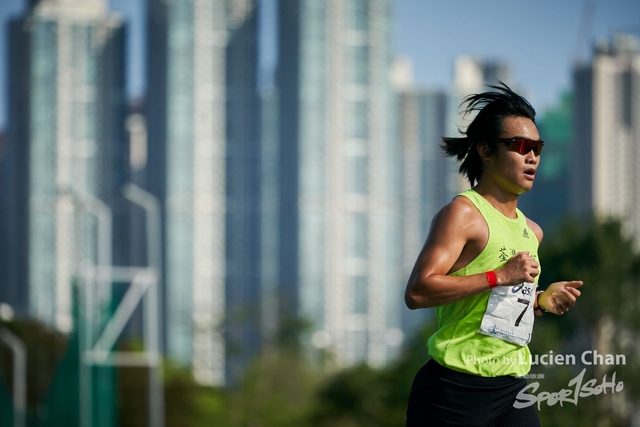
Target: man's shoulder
459, 224
537, 230
460, 212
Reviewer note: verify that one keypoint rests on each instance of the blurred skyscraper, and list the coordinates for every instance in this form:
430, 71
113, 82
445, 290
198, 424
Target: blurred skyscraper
472, 74
270, 210
65, 146
204, 165
339, 245
605, 178
136, 132
430, 180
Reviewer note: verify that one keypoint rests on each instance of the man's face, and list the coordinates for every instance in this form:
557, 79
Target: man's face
512, 171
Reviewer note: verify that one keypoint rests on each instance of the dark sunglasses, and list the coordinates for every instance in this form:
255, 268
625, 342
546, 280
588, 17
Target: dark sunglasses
523, 145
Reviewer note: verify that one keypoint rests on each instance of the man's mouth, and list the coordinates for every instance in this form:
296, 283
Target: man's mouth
530, 173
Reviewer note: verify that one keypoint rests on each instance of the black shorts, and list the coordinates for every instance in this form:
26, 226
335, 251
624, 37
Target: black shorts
444, 397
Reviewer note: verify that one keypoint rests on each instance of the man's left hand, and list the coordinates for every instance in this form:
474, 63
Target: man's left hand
559, 297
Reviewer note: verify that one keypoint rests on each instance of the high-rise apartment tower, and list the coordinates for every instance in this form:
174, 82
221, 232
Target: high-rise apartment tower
203, 158
339, 248
65, 149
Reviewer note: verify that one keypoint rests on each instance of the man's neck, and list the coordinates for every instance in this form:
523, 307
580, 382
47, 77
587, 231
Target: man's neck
505, 202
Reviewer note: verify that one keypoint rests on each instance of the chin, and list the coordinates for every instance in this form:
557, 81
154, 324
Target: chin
525, 188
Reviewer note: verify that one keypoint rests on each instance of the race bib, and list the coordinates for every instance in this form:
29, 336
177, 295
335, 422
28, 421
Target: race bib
509, 315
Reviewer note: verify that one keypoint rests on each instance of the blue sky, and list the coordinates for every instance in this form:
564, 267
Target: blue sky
540, 39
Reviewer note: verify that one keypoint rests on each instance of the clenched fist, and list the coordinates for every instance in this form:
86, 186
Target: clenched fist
520, 268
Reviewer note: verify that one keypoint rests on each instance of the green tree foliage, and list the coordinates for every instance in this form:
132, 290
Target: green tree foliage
352, 397
364, 396
187, 403
278, 390
599, 254
605, 319
279, 386
45, 349
133, 396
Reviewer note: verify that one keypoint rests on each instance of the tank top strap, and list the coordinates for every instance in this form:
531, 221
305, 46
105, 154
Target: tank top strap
489, 212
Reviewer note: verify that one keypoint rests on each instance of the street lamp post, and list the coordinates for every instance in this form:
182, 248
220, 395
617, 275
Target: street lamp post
151, 205
102, 212
19, 376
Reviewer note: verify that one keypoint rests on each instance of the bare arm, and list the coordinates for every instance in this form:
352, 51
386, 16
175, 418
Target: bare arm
458, 234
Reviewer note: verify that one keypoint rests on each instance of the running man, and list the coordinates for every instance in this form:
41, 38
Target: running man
479, 267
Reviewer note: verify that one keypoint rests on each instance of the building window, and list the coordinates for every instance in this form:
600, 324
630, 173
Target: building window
358, 120
357, 14
358, 172
359, 295
359, 235
359, 65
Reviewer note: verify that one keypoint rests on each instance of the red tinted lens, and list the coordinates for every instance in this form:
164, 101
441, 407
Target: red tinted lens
523, 146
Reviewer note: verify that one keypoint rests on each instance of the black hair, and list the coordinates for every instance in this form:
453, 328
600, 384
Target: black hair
492, 107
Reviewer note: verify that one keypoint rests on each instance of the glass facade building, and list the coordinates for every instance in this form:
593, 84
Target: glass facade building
65, 144
430, 180
203, 127
339, 235
605, 149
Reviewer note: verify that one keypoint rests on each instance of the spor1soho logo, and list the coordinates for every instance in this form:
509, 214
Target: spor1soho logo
576, 387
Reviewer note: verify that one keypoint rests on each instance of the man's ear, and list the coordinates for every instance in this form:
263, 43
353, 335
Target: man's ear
483, 149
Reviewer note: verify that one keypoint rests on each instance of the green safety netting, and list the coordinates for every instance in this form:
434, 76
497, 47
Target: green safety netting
62, 407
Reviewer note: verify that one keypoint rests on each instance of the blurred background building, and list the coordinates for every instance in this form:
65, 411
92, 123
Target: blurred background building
339, 171
429, 179
605, 178
472, 74
65, 149
203, 159
270, 319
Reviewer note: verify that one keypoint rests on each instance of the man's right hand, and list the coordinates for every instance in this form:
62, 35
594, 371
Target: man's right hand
520, 268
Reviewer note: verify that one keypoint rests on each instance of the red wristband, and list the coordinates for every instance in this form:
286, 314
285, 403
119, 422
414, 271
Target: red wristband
491, 278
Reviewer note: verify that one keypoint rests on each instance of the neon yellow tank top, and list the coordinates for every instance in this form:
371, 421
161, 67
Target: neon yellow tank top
457, 344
